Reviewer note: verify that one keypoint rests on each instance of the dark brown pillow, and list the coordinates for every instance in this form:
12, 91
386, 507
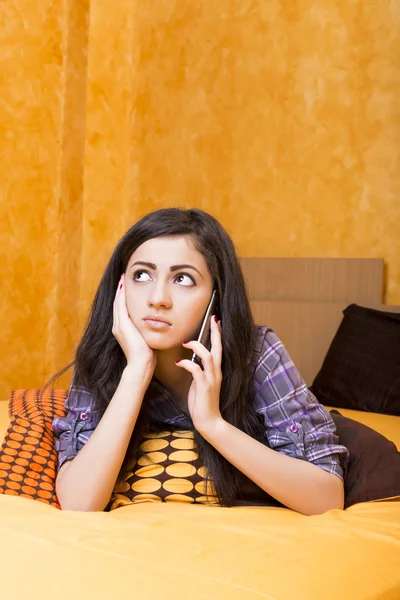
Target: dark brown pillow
361, 370
373, 472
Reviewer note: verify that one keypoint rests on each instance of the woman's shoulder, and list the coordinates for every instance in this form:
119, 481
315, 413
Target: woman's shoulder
81, 407
80, 398
266, 343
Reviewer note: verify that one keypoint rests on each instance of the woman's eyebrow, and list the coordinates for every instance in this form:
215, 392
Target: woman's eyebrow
173, 268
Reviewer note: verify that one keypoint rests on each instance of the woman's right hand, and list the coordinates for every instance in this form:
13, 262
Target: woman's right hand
137, 353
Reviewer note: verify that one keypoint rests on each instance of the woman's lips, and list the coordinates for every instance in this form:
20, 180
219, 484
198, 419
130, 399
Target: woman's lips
156, 324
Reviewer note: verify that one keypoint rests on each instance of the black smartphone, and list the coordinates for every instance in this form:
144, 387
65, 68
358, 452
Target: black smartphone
205, 333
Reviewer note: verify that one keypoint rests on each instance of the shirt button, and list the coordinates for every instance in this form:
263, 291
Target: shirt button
294, 428
84, 416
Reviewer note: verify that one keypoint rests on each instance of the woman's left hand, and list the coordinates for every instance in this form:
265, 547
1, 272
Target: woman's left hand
203, 397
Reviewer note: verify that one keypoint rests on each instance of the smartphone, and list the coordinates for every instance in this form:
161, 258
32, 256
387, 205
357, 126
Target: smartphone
205, 333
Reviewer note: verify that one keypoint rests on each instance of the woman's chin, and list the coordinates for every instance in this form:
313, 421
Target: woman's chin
155, 343
160, 346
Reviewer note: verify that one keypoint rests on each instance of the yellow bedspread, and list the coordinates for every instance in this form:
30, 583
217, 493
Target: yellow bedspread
166, 551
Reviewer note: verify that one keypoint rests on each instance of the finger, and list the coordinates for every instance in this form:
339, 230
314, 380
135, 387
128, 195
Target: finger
115, 309
116, 303
216, 343
114, 318
204, 354
122, 309
124, 303
199, 349
193, 368
214, 356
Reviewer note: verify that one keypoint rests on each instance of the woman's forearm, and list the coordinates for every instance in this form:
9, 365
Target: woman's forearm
298, 484
86, 482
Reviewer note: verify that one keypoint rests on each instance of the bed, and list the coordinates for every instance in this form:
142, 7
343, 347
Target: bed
203, 552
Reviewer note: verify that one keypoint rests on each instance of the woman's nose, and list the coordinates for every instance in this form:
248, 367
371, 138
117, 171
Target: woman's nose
160, 297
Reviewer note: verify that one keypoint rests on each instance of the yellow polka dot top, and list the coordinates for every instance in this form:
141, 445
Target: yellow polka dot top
170, 471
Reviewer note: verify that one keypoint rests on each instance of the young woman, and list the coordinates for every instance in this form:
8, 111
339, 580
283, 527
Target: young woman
146, 423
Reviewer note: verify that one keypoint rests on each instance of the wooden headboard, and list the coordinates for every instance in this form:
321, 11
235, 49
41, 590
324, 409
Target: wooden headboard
302, 299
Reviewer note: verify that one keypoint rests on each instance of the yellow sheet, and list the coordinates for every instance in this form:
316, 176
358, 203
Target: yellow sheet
166, 551
174, 552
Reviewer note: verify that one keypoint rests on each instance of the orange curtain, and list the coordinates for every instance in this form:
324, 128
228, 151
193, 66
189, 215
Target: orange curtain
280, 118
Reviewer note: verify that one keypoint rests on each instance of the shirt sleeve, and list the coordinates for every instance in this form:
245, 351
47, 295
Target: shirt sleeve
73, 431
295, 422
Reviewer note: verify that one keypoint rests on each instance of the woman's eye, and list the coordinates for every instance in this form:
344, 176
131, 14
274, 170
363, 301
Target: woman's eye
185, 280
138, 276
182, 278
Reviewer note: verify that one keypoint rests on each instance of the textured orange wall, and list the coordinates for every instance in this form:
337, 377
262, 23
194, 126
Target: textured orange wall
280, 118
42, 93
30, 122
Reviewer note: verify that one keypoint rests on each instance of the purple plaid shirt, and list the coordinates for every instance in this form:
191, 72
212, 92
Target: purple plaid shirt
295, 423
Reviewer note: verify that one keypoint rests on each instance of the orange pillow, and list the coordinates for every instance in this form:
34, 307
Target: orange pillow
28, 458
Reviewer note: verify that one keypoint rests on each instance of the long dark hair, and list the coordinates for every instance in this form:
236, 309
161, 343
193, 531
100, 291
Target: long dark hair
99, 359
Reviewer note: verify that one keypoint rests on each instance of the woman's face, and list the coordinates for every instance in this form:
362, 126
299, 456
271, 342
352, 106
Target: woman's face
167, 278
